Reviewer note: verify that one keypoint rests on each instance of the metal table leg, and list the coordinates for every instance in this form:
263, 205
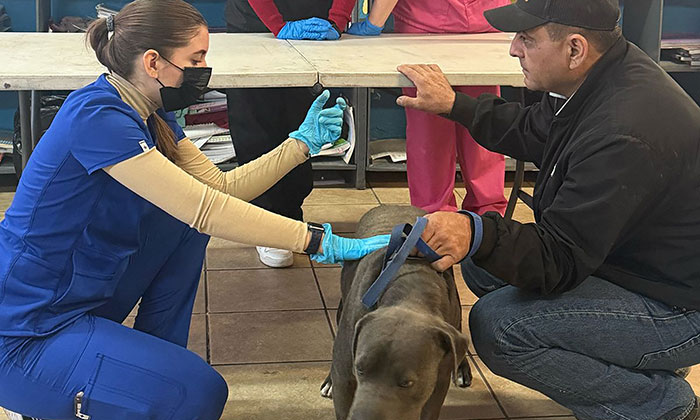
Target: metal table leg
517, 184
35, 118
43, 13
25, 126
360, 100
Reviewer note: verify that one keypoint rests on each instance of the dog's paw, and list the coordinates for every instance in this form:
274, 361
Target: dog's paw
463, 376
327, 388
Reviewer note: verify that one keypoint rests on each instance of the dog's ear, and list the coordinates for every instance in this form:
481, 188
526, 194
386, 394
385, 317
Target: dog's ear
454, 342
358, 327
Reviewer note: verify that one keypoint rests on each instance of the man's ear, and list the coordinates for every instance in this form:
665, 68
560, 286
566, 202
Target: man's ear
578, 50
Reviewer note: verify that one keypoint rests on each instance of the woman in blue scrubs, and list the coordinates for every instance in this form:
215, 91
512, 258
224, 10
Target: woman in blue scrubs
116, 205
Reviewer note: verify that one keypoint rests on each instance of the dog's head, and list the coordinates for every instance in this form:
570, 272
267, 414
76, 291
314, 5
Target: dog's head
400, 358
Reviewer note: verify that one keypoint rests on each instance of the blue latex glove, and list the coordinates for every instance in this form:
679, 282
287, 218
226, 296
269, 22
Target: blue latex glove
364, 28
321, 126
332, 34
312, 28
337, 249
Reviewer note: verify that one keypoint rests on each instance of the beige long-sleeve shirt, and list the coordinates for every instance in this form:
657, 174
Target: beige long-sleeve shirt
195, 191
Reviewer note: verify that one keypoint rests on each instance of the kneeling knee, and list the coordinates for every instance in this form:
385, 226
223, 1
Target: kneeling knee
206, 396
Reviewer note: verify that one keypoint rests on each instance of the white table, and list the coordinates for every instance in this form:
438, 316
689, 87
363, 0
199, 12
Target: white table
478, 59
43, 61
61, 61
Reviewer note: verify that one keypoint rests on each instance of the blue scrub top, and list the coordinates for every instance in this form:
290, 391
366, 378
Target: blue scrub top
70, 231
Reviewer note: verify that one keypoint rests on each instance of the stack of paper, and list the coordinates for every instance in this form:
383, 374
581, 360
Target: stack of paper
342, 147
5, 141
394, 149
214, 141
206, 124
684, 49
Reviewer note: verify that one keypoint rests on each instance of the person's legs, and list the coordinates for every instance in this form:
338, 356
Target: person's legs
599, 350
260, 120
165, 275
483, 171
431, 162
123, 373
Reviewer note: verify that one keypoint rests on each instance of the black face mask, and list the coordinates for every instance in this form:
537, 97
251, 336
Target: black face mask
194, 85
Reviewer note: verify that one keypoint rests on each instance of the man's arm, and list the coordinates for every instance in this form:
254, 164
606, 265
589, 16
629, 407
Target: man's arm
381, 9
500, 126
269, 14
607, 189
340, 13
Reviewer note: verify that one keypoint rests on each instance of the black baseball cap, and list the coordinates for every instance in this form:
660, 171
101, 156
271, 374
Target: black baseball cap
599, 15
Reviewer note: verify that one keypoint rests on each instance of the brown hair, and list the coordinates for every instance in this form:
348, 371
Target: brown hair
162, 25
601, 40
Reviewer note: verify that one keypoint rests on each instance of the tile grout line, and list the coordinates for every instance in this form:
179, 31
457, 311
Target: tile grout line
286, 362
376, 196
268, 311
488, 385
207, 333
323, 302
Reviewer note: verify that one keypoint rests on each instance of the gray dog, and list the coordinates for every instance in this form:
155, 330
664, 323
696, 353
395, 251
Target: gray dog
395, 361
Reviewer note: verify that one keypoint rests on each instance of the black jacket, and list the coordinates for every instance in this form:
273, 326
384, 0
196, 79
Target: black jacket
618, 192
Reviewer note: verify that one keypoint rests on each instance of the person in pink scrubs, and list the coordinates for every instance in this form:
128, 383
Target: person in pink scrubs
432, 141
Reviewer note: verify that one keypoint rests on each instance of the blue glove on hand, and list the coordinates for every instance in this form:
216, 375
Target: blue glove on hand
337, 249
321, 126
312, 28
364, 28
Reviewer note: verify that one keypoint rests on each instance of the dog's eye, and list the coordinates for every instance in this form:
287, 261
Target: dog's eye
359, 372
406, 384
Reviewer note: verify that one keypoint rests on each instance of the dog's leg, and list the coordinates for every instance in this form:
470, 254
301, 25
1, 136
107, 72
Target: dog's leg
463, 376
343, 393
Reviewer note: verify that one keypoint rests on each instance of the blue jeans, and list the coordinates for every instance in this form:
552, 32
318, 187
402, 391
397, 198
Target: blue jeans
600, 350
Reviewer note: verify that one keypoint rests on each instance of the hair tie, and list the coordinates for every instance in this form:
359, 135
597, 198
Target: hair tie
110, 26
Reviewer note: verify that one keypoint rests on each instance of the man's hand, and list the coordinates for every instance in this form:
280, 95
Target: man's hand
449, 234
435, 95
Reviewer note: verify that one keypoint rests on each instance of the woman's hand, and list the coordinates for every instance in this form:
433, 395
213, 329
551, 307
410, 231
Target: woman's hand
312, 28
335, 249
321, 126
364, 28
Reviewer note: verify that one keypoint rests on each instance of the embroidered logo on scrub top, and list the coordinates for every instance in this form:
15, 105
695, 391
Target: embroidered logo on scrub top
144, 146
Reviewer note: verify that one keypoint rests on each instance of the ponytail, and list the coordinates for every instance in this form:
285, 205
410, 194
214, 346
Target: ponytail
165, 138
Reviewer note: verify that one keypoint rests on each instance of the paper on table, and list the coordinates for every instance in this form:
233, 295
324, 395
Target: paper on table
347, 148
349, 117
203, 130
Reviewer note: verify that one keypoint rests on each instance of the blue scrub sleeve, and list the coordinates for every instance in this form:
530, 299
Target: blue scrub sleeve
107, 131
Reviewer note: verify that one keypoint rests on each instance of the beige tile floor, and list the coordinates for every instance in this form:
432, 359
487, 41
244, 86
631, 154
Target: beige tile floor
269, 332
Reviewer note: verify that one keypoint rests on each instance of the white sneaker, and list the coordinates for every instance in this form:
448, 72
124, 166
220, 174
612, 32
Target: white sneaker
274, 257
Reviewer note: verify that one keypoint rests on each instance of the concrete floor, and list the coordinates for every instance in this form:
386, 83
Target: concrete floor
270, 331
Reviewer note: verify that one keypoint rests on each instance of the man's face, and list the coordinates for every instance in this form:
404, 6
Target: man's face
545, 62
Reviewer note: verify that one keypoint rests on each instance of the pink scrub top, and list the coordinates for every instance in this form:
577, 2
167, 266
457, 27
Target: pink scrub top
444, 16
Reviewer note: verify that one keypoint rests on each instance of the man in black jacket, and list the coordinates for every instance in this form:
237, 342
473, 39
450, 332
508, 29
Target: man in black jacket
596, 303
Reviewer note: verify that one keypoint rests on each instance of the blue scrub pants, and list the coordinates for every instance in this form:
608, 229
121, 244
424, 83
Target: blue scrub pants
140, 373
